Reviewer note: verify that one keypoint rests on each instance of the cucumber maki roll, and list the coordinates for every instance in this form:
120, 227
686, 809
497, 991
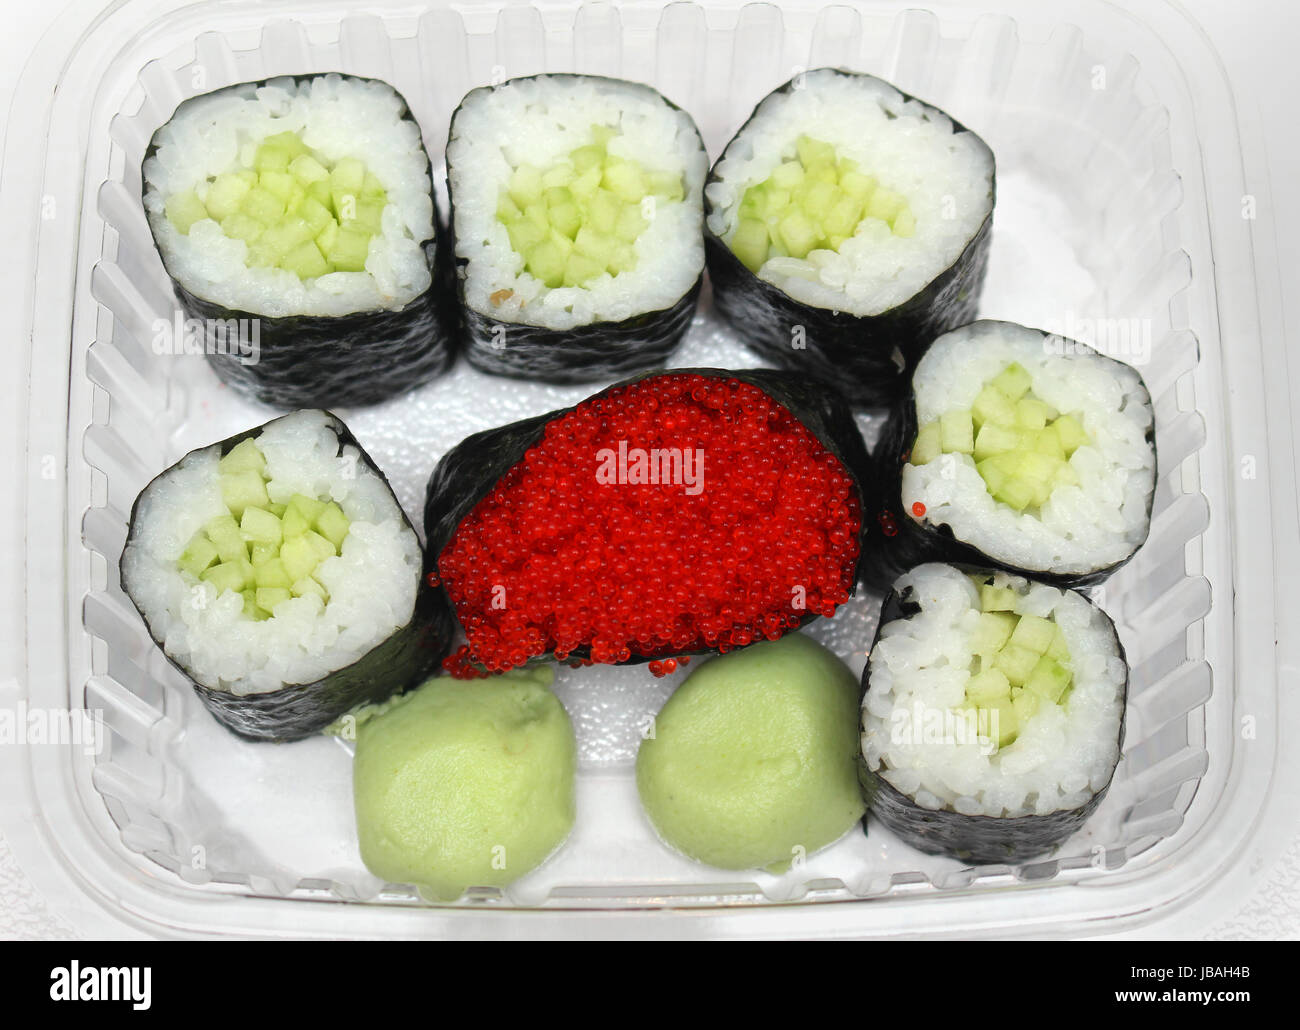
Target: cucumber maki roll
576, 215
296, 220
278, 572
1019, 449
673, 513
992, 713
847, 225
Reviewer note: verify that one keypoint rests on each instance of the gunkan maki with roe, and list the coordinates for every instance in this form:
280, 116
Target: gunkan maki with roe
1019, 449
848, 224
576, 214
677, 512
278, 572
297, 221
992, 713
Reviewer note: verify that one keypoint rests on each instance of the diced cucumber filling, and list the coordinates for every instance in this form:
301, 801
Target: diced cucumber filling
1021, 664
813, 200
1021, 445
580, 218
262, 550
294, 208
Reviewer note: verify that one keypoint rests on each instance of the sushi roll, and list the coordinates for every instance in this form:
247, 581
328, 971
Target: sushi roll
1019, 449
847, 225
296, 220
673, 513
992, 713
278, 572
576, 216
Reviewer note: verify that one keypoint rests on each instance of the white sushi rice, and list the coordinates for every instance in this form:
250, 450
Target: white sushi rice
539, 121
336, 116
372, 583
909, 147
1097, 523
919, 669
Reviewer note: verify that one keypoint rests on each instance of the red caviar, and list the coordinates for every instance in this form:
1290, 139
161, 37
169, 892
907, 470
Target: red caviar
461, 665
918, 509
745, 524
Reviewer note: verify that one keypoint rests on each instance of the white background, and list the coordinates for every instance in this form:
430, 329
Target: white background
1259, 42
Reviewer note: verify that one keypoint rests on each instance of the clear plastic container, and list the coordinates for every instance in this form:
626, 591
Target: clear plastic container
1124, 214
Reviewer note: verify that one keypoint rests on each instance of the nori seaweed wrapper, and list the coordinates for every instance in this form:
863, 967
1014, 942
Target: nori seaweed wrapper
977, 839
360, 358
471, 470
868, 358
589, 353
403, 660
901, 541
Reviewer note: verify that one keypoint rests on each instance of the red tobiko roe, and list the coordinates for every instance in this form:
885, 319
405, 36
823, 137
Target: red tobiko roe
752, 525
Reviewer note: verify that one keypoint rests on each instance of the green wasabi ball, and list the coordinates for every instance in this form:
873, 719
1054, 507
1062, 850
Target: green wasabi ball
753, 759
464, 784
